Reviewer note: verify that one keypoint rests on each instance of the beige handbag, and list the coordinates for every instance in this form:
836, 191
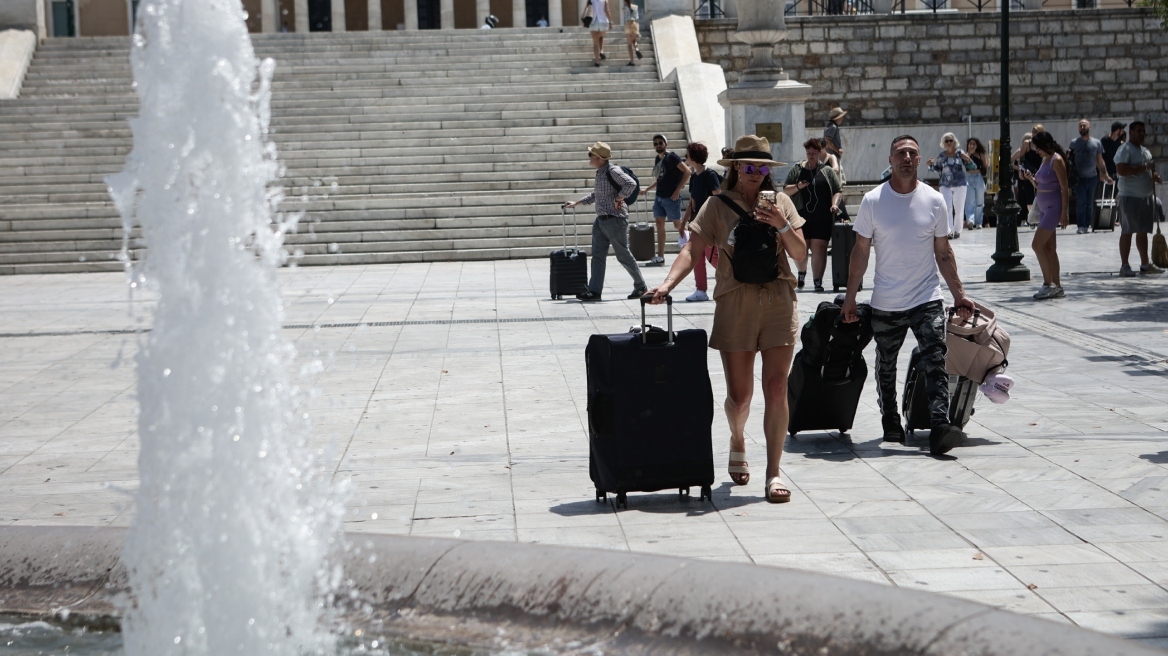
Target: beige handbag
978, 346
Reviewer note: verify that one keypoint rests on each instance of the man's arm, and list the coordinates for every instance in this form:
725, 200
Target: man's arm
857, 267
1101, 168
947, 265
685, 174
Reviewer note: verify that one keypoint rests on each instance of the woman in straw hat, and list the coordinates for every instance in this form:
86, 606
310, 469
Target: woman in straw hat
749, 317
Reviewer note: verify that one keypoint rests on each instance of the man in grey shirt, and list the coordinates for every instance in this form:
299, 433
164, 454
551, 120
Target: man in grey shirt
1137, 194
1089, 166
610, 189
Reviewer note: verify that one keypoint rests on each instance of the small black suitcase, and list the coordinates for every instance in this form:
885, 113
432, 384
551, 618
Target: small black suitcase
643, 241
843, 239
828, 374
650, 411
569, 269
1105, 210
962, 394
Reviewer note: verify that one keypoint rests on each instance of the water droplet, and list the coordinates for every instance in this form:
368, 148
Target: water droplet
373, 516
263, 454
251, 621
165, 372
333, 247
177, 639
235, 438
457, 532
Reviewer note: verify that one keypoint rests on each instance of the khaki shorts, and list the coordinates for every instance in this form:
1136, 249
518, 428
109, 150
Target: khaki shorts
632, 28
755, 318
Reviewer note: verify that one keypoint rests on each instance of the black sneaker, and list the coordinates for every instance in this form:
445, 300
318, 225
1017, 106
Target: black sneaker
588, 296
639, 55
602, 56
819, 286
802, 280
638, 293
943, 438
893, 431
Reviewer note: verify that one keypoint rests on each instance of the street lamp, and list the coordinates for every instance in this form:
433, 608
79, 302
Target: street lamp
1007, 266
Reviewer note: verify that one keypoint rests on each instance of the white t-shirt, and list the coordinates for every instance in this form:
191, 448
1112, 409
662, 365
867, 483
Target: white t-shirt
902, 228
598, 15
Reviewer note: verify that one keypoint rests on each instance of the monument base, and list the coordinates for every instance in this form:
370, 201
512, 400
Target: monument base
771, 108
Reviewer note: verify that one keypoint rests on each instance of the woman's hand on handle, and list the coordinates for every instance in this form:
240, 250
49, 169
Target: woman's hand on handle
657, 294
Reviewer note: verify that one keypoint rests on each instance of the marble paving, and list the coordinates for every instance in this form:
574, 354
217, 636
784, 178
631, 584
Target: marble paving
452, 396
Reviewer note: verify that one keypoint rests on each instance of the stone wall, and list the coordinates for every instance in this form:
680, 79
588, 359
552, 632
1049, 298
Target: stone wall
936, 68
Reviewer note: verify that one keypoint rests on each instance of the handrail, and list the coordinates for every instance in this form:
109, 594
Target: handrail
829, 7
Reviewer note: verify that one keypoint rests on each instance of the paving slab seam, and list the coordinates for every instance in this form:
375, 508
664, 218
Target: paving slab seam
1137, 356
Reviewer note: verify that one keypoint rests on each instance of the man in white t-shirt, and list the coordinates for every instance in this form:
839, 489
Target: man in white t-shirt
906, 223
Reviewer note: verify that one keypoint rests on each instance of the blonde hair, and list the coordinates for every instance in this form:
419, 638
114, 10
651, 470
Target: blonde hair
1038, 128
947, 136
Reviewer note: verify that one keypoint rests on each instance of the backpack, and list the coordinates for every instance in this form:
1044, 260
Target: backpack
756, 255
833, 346
636, 190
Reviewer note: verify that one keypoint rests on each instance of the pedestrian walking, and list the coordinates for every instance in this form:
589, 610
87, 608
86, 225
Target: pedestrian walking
1137, 198
1025, 159
950, 163
702, 184
751, 314
907, 223
670, 175
490, 22
1111, 144
1053, 197
1089, 168
611, 227
632, 29
816, 192
975, 180
834, 141
601, 19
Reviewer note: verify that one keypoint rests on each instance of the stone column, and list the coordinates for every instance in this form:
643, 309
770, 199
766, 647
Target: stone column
555, 13
766, 101
519, 13
410, 12
269, 17
338, 15
447, 14
482, 8
301, 9
375, 16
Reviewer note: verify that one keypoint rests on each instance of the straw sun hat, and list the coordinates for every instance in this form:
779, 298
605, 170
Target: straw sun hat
752, 149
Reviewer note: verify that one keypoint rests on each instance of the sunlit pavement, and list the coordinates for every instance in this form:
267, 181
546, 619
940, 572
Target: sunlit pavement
453, 397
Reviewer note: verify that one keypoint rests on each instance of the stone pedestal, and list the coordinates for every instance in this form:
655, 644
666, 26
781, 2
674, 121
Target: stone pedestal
774, 110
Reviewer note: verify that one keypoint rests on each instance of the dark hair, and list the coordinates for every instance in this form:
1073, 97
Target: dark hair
731, 179
979, 147
1134, 124
1045, 141
813, 143
697, 152
909, 137
727, 152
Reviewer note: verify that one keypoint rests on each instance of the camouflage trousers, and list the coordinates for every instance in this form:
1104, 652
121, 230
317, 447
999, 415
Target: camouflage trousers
927, 322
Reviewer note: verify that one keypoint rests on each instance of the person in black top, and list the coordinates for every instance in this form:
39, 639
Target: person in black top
1111, 144
975, 178
817, 191
1026, 158
671, 175
702, 184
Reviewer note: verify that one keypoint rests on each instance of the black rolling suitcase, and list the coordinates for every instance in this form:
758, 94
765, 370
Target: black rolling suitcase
650, 411
915, 408
1105, 210
828, 374
569, 266
642, 240
843, 239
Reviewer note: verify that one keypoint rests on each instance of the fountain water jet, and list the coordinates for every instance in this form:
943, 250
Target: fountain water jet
236, 520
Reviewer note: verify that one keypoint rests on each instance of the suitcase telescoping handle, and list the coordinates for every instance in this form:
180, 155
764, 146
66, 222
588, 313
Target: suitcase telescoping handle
564, 222
669, 321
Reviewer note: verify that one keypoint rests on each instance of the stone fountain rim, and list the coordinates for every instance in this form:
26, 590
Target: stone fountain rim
574, 600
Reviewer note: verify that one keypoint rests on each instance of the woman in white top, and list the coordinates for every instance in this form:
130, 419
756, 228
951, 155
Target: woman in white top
601, 21
632, 29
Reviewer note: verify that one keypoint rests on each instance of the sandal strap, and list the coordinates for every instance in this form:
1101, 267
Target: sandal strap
738, 469
738, 455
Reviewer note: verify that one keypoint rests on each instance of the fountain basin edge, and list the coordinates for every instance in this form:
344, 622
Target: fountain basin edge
573, 600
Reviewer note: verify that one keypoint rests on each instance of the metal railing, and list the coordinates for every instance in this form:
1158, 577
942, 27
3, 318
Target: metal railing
828, 7
708, 9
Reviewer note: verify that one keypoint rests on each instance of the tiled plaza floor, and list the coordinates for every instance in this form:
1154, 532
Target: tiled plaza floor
455, 396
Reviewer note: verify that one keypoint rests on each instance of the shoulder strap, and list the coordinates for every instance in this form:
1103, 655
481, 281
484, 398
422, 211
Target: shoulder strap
613, 180
735, 206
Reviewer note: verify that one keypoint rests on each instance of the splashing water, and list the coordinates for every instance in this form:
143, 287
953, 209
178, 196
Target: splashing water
236, 522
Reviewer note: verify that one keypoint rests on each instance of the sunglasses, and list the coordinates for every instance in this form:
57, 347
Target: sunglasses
751, 169
950, 141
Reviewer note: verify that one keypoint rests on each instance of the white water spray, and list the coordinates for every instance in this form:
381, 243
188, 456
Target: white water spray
234, 528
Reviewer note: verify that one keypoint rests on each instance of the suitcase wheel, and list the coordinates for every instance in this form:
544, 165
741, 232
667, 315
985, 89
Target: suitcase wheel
622, 500
707, 494
683, 492
601, 497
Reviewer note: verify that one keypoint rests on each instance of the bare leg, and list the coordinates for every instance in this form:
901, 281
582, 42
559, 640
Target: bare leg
1124, 248
1142, 247
597, 46
1052, 260
660, 235
818, 258
631, 41
1041, 237
776, 366
739, 369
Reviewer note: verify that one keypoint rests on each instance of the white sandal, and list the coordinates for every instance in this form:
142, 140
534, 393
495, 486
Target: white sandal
744, 468
771, 497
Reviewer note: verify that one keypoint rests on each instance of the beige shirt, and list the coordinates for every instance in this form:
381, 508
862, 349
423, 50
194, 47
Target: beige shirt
714, 223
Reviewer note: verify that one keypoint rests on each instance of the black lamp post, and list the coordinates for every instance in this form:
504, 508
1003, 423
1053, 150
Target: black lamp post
1007, 266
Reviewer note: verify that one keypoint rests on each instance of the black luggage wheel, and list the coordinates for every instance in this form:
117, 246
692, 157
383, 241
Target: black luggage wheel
707, 494
622, 500
683, 493
601, 497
